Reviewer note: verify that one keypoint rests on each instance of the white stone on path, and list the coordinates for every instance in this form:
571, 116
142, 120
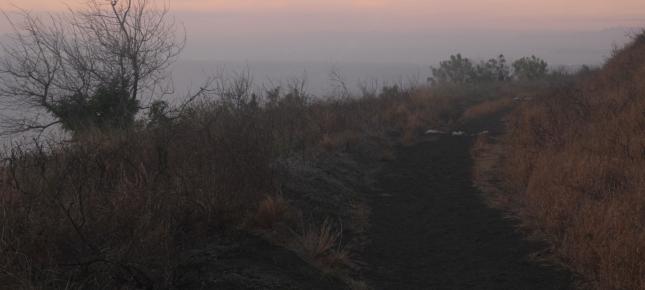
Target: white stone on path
432, 131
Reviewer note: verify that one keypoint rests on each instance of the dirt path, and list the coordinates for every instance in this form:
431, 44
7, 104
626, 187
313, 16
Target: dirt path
431, 229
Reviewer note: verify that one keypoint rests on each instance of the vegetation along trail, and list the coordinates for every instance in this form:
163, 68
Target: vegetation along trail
431, 228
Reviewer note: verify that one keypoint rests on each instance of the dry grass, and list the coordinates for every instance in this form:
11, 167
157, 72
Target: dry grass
487, 154
102, 210
116, 209
487, 108
358, 285
576, 158
271, 211
322, 246
339, 141
360, 218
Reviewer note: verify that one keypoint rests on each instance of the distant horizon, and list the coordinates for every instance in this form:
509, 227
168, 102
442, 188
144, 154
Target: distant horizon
597, 47
393, 32
559, 48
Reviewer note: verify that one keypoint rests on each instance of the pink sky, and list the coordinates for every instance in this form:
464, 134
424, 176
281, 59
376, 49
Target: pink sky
518, 14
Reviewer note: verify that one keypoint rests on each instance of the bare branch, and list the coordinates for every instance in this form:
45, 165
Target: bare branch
340, 85
130, 43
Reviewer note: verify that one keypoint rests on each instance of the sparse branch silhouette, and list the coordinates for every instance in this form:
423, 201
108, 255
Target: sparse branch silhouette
87, 67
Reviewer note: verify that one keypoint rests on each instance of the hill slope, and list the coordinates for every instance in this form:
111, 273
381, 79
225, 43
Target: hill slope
576, 159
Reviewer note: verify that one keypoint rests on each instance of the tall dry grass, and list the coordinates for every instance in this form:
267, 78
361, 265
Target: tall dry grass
116, 209
487, 108
576, 158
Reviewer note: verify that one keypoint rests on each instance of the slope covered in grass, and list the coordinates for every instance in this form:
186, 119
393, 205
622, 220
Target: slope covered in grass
576, 159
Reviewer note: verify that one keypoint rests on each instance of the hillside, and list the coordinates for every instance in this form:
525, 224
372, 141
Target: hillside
573, 170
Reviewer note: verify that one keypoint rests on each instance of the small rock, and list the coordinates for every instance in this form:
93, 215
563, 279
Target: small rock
433, 131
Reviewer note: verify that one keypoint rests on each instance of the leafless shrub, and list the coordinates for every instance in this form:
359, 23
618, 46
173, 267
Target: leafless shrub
113, 53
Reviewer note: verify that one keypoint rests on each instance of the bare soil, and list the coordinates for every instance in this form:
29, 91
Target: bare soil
237, 260
431, 228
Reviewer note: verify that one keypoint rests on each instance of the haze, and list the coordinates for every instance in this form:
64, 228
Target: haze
384, 31
411, 34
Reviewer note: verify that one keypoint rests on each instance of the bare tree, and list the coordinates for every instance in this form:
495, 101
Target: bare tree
339, 83
87, 67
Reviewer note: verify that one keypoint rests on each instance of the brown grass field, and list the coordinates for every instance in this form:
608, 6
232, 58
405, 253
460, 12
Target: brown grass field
121, 209
118, 209
573, 163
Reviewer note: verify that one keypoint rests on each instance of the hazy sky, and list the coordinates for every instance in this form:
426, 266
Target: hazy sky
412, 31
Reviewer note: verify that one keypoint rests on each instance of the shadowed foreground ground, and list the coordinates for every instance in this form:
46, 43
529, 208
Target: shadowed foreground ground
431, 229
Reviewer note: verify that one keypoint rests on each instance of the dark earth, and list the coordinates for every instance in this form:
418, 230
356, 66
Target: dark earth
238, 260
431, 228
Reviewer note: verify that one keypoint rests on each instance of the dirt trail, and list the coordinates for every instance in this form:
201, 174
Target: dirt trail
432, 230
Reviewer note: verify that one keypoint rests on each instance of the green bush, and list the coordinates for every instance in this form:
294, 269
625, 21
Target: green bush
461, 70
530, 68
110, 107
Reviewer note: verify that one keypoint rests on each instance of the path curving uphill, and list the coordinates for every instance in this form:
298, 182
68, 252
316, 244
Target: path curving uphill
431, 228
